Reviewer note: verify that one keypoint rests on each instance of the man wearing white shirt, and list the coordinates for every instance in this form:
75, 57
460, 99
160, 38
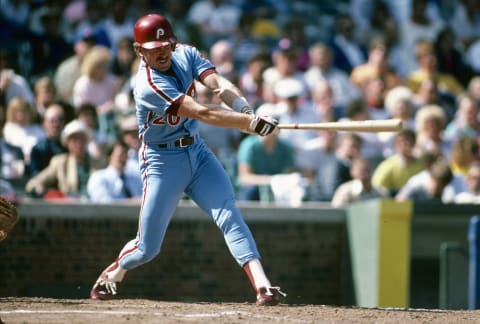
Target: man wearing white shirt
360, 187
289, 110
450, 191
321, 68
114, 182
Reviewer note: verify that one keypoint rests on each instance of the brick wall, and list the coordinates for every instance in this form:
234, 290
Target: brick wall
59, 250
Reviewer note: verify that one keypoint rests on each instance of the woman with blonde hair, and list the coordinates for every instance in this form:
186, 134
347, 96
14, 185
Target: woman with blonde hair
399, 105
430, 125
20, 129
98, 86
45, 95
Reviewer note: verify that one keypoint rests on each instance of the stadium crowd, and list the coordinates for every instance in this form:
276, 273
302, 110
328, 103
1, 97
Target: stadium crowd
68, 117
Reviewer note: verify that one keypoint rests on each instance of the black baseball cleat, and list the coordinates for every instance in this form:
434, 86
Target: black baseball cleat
269, 296
104, 288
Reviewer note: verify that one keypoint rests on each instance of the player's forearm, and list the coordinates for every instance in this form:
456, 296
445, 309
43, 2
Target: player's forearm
217, 115
222, 117
228, 92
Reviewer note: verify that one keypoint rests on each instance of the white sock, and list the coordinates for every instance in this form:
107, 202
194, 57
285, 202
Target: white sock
256, 269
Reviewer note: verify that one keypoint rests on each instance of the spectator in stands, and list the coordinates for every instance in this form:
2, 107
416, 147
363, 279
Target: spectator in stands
129, 135
319, 151
472, 56
259, 158
12, 84
472, 194
45, 95
20, 129
267, 17
430, 125
372, 147
124, 101
440, 175
48, 45
428, 68
474, 89
87, 113
216, 19
429, 94
123, 61
245, 43
294, 31
465, 151
347, 51
418, 26
284, 59
323, 104
115, 182
466, 121
321, 68
186, 31
398, 104
68, 109
290, 110
118, 24
94, 23
251, 80
221, 55
374, 94
45, 149
360, 187
377, 23
325, 162
450, 59
377, 66
69, 70
465, 22
456, 186
16, 13
12, 165
67, 174
74, 12
393, 172
98, 86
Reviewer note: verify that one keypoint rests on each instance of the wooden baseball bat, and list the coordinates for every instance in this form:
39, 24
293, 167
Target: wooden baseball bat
373, 126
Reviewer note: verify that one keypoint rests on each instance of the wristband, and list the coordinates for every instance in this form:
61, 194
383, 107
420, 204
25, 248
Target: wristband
240, 104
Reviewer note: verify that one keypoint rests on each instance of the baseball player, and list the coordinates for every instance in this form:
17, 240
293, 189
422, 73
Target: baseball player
174, 159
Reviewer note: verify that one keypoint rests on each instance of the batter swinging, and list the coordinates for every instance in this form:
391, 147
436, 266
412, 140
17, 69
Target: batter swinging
174, 159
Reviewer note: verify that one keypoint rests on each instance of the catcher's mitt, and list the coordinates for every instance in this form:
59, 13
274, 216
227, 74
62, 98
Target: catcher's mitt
8, 217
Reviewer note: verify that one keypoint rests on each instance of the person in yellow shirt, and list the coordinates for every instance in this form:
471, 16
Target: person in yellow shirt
393, 172
377, 66
464, 152
427, 68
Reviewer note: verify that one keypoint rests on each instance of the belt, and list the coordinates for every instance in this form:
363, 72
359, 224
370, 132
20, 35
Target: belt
181, 142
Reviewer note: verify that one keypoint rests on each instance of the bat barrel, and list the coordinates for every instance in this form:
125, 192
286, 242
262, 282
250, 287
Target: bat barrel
387, 125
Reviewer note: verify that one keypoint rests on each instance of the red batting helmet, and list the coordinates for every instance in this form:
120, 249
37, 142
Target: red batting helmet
153, 31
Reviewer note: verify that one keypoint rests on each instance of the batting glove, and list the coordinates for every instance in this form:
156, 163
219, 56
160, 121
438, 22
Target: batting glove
262, 125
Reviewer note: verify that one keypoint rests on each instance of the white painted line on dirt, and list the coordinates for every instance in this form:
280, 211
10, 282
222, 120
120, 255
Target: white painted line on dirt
26, 311
242, 313
192, 315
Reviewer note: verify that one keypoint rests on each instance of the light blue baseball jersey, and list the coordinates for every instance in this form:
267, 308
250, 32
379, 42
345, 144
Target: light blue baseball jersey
158, 96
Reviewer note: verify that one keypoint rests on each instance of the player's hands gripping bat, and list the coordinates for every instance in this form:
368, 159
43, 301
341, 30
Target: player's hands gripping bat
8, 217
262, 125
